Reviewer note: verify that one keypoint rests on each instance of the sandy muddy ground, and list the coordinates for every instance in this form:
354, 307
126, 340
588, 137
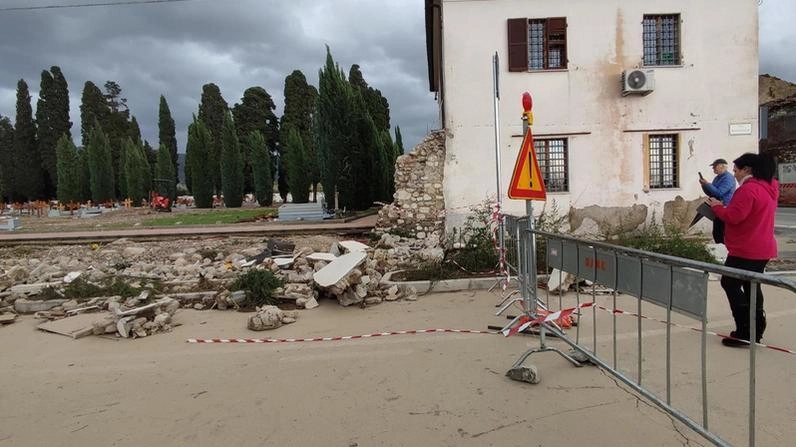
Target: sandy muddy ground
427, 389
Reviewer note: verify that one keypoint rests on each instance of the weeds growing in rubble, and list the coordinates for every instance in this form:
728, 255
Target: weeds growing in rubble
259, 286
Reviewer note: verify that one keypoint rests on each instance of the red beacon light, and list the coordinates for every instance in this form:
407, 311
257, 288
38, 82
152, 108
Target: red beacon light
527, 105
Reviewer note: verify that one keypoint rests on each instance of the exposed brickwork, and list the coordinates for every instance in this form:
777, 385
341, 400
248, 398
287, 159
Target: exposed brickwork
417, 209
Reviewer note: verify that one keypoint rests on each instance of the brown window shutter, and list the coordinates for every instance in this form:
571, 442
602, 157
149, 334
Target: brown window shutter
518, 44
556, 30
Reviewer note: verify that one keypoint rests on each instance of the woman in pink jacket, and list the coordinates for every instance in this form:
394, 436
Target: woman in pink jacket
749, 237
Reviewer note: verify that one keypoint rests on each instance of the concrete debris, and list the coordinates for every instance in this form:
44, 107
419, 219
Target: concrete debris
270, 317
195, 276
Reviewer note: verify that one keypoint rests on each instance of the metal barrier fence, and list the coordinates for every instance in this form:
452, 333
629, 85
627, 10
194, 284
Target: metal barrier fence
673, 284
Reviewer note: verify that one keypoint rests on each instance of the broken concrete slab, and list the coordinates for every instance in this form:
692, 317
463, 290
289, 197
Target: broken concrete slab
76, 327
322, 257
10, 318
284, 262
338, 269
24, 306
353, 246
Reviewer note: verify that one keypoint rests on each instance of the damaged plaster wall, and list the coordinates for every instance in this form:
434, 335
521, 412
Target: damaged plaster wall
418, 206
598, 220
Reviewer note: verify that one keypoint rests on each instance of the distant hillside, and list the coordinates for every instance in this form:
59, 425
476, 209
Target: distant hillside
772, 88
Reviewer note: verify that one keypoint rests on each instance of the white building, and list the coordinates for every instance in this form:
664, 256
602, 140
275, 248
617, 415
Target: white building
600, 141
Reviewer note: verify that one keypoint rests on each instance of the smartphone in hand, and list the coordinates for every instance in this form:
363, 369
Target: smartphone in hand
700, 176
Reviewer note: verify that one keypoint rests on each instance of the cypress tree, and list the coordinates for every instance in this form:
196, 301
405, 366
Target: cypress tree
377, 106
68, 171
199, 147
7, 155
117, 129
167, 134
137, 171
255, 112
387, 154
27, 180
212, 110
135, 131
399, 142
334, 125
231, 165
298, 175
85, 174
300, 105
164, 173
100, 166
261, 168
356, 184
52, 119
92, 108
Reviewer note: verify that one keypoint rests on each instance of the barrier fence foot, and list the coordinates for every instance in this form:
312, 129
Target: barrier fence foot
524, 374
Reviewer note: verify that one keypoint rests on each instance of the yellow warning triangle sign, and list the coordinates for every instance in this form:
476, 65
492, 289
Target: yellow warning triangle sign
526, 181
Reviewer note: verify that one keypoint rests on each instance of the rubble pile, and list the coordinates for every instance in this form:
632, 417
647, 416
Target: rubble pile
192, 274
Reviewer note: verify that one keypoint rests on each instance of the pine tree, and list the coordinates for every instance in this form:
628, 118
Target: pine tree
334, 125
7, 155
261, 168
300, 105
199, 147
231, 165
52, 119
255, 112
212, 110
100, 166
164, 173
27, 179
68, 171
92, 108
167, 134
298, 174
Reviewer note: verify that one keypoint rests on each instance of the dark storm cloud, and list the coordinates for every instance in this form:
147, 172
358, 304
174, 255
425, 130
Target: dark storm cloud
173, 49
778, 39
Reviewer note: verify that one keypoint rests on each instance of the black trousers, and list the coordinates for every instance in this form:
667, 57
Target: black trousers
718, 230
739, 294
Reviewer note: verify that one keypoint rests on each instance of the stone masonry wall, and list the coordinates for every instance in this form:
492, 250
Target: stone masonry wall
418, 206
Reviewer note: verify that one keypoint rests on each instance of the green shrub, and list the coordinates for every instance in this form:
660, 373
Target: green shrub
472, 246
667, 240
259, 286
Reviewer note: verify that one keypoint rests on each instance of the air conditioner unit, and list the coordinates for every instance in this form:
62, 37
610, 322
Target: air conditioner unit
638, 82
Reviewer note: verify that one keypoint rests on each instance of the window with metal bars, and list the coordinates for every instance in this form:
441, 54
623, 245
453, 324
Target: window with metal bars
553, 158
663, 161
537, 44
661, 39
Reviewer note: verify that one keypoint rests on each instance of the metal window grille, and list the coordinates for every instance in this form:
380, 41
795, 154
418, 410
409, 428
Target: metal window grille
661, 39
663, 161
536, 34
553, 159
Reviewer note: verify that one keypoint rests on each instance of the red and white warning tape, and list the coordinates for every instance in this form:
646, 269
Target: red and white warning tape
525, 321
346, 337
695, 329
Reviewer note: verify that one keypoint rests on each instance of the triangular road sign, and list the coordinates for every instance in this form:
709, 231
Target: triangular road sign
526, 181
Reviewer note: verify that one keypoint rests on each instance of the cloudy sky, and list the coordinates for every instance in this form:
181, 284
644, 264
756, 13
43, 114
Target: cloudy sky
174, 48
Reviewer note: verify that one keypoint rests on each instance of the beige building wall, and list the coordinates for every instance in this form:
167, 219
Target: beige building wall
714, 88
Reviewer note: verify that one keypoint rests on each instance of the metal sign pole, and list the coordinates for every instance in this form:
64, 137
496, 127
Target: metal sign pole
495, 103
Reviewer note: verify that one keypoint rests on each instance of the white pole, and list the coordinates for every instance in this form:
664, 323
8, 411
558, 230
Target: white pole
496, 103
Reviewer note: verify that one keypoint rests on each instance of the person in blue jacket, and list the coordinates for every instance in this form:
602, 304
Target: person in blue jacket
722, 188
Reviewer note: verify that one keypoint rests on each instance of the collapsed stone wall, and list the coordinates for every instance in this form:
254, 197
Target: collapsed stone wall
418, 206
